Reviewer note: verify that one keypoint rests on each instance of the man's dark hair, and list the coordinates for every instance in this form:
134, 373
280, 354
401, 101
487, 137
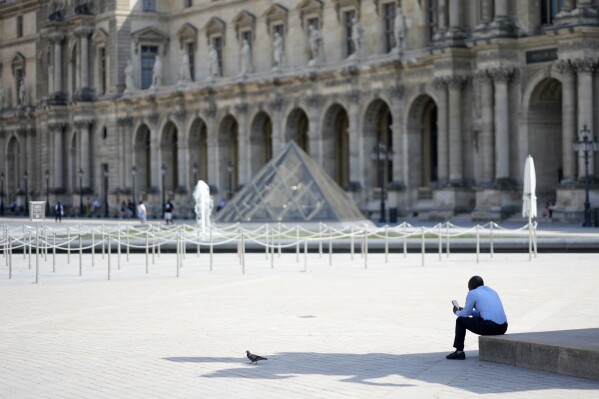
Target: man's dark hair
475, 282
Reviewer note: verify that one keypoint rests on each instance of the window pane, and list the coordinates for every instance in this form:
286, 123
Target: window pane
191, 55
148, 56
389, 26
349, 44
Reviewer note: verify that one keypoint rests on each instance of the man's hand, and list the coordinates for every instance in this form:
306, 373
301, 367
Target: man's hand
456, 309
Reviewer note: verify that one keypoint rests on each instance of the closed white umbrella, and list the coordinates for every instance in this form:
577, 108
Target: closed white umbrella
529, 199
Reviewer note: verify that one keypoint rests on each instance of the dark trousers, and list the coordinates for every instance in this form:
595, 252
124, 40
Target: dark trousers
478, 326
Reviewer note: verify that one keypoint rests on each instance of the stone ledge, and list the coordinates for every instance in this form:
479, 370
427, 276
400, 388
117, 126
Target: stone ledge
569, 352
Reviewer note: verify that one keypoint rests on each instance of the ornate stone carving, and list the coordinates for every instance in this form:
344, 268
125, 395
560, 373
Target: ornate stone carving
482, 75
396, 91
501, 55
56, 126
241, 109
125, 121
564, 67
153, 118
502, 74
210, 110
456, 82
180, 114
83, 123
277, 103
585, 44
588, 65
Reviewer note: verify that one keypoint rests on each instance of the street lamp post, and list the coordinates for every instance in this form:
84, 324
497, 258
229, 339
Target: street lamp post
380, 153
106, 192
80, 192
26, 193
163, 172
47, 193
2, 194
134, 174
230, 173
586, 143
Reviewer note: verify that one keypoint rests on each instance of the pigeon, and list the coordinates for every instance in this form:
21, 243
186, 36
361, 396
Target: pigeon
254, 358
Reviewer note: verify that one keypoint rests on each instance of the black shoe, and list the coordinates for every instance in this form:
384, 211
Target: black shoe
456, 356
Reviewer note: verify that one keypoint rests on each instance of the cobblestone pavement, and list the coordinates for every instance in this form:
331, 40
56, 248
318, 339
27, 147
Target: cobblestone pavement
336, 331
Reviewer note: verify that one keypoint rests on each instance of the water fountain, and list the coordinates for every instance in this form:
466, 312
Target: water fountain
203, 205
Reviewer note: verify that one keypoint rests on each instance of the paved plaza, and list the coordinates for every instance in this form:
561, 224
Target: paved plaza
336, 331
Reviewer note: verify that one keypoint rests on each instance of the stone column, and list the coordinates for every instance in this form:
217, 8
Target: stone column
84, 152
56, 129
455, 16
276, 107
442, 17
244, 149
486, 142
31, 155
566, 69
502, 76
400, 156
455, 85
213, 151
356, 142
313, 102
155, 154
182, 152
57, 39
501, 9
84, 84
125, 152
585, 68
440, 85
486, 11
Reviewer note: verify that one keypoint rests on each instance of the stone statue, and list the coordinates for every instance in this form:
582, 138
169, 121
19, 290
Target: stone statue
56, 10
129, 79
246, 58
157, 73
83, 8
315, 45
22, 93
356, 36
184, 71
214, 64
399, 28
278, 52
1, 98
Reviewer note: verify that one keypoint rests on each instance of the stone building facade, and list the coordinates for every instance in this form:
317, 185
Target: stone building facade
433, 104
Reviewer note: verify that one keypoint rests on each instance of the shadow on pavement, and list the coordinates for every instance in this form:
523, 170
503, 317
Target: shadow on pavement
431, 368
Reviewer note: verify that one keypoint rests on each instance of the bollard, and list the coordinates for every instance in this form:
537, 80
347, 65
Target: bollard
280, 237
242, 244
423, 248
297, 243
53, 252
352, 243
535, 238
103, 242
305, 256
118, 249
266, 243
127, 244
447, 232
477, 242
9, 257
386, 244
80, 253
198, 246
405, 241
491, 237
440, 241
272, 249
93, 247
109, 264
37, 254
320, 239
330, 246
147, 255
211, 248
45, 243
30, 245
365, 249
24, 247
178, 251
153, 245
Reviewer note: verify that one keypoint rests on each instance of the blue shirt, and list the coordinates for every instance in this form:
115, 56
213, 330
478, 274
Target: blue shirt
484, 302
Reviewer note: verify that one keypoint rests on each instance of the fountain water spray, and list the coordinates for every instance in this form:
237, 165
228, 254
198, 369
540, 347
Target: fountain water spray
203, 206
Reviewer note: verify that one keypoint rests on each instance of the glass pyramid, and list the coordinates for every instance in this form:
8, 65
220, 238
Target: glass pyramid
290, 188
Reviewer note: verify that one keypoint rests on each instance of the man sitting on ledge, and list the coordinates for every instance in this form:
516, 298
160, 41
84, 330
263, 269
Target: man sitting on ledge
482, 314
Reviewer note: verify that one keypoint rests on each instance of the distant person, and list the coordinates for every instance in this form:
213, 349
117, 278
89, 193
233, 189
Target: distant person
547, 212
130, 209
123, 209
168, 212
13, 206
482, 314
141, 212
58, 212
222, 203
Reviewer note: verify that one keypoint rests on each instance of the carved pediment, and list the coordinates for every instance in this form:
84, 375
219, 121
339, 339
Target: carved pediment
100, 36
276, 14
187, 33
244, 21
310, 7
150, 35
215, 27
341, 4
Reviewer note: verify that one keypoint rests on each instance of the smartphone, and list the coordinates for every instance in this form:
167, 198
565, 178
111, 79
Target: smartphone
455, 303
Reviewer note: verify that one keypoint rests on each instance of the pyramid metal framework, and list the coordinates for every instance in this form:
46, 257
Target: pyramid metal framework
290, 188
